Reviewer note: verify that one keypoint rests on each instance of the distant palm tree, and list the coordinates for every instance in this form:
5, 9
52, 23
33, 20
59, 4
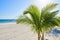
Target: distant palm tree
41, 20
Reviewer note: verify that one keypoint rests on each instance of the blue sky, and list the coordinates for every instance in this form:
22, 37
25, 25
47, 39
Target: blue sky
11, 9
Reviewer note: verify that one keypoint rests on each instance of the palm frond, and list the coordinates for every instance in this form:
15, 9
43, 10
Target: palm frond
58, 21
54, 13
35, 14
48, 8
24, 19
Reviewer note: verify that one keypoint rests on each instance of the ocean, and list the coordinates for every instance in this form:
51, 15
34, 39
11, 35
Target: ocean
7, 20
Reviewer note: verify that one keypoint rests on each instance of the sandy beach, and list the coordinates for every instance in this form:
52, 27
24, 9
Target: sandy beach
16, 32
21, 32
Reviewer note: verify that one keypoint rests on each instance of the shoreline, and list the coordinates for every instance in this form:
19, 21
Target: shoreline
7, 23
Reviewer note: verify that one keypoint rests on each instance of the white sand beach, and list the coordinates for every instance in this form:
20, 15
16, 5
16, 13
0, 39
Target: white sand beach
20, 32
16, 32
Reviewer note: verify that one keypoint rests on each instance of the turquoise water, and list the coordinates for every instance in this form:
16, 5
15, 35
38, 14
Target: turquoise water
7, 20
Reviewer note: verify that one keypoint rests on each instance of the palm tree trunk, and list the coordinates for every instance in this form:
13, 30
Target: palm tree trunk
39, 35
42, 38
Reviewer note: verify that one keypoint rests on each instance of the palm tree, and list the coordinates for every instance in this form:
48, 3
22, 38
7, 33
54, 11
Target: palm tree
41, 20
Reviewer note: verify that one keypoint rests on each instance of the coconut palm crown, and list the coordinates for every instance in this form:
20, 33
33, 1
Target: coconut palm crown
41, 20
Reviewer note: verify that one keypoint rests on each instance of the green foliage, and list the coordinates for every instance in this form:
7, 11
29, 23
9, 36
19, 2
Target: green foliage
42, 20
23, 19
